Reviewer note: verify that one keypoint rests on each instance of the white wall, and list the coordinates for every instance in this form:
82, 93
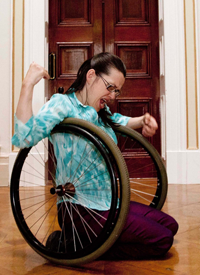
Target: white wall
5, 87
183, 164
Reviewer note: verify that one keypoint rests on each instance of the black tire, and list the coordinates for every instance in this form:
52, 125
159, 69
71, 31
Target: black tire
34, 204
147, 173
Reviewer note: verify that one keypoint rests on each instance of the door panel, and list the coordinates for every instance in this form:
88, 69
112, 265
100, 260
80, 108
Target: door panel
127, 12
74, 12
136, 56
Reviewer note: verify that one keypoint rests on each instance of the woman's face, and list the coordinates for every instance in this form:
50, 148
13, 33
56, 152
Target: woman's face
96, 91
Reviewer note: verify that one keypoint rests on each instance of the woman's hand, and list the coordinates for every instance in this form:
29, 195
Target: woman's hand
149, 126
146, 122
35, 74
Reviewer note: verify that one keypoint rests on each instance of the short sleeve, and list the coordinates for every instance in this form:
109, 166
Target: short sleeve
120, 119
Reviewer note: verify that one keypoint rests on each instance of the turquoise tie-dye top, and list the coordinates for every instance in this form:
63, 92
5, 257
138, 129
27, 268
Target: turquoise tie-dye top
89, 185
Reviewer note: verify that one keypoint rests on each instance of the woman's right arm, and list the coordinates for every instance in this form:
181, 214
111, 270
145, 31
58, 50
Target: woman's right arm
34, 75
30, 129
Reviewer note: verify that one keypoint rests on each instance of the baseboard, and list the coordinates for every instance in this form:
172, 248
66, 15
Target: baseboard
4, 170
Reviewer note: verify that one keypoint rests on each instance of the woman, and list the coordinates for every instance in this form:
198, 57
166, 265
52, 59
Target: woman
147, 232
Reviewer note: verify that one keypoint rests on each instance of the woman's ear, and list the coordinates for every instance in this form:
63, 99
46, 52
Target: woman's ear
91, 76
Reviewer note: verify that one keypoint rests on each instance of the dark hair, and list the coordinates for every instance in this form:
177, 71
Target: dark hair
101, 63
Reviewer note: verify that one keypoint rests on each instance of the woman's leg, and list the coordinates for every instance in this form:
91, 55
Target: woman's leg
147, 233
154, 214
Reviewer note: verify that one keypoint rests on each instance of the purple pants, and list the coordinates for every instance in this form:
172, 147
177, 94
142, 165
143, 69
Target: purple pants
147, 232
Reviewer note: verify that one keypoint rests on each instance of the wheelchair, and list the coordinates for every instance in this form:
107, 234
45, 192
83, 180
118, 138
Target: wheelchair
47, 202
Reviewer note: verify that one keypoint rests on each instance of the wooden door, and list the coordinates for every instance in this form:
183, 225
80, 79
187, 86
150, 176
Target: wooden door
78, 29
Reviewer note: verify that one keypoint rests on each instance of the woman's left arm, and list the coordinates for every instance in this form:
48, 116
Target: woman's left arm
146, 122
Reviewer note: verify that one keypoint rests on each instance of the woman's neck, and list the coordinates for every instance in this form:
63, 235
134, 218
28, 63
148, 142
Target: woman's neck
81, 95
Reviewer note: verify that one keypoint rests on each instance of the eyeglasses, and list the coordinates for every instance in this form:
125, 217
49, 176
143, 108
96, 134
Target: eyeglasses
110, 87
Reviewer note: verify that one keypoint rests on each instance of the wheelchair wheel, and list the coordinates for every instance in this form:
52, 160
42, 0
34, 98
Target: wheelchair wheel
73, 212
148, 178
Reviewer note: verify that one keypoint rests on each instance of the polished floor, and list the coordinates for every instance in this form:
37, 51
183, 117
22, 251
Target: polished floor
183, 203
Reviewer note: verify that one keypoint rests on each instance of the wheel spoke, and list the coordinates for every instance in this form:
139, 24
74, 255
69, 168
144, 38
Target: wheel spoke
35, 196
139, 183
83, 223
149, 201
86, 208
45, 216
103, 173
45, 202
32, 183
86, 171
74, 230
52, 225
138, 191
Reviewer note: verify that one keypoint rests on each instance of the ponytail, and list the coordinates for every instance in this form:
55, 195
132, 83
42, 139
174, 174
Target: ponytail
80, 81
